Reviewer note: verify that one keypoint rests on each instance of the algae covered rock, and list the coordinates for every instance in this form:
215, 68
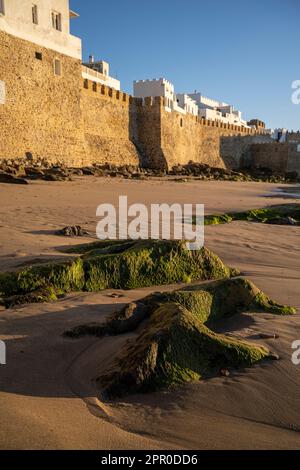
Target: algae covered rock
176, 343
208, 302
173, 349
44, 295
149, 263
62, 277
120, 265
287, 214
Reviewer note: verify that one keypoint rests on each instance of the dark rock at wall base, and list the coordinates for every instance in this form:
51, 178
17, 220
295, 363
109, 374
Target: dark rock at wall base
89, 171
56, 178
10, 179
292, 176
76, 172
34, 173
43, 170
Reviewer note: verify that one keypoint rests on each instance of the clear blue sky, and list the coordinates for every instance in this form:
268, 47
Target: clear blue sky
246, 53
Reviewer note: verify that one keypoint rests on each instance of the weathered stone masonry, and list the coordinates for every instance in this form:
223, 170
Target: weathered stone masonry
281, 158
166, 139
107, 121
42, 113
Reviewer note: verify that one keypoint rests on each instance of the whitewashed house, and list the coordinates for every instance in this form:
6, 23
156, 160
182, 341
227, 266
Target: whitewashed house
217, 111
156, 87
186, 103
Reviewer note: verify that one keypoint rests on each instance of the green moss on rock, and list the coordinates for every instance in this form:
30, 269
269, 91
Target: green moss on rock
64, 277
207, 302
279, 214
145, 264
263, 302
44, 295
176, 343
124, 265
174, 348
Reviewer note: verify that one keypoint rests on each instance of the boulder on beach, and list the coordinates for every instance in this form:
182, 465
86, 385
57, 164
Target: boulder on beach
176, 342
72, 231
11, 179
119, 265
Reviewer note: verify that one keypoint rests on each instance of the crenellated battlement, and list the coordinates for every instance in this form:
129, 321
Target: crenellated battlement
103, 90
97, 89
153, 102
220, 125
164, 137
155, 80
150, 102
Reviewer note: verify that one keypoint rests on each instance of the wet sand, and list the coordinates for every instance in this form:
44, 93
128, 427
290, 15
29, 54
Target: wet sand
47, 397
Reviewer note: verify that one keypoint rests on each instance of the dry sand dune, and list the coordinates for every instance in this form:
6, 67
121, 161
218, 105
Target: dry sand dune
47, 396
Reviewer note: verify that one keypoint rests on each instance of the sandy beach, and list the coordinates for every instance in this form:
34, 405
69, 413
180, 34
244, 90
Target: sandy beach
48, 399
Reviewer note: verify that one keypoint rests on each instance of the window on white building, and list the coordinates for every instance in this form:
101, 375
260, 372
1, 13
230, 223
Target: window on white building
35, 18
57, 67
56, 21
2, 10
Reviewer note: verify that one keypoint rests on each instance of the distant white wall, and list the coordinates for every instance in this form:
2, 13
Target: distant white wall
217, 110
98, 77
280, 135
226, 118
204, 102
17, 21
192, 103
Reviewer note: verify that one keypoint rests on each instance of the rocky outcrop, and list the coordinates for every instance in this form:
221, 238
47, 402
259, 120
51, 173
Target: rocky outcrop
287, 214
176, 342
119, 265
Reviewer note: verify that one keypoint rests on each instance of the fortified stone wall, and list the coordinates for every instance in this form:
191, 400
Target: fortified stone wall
108, 122
168, 139
77, 122
40, 112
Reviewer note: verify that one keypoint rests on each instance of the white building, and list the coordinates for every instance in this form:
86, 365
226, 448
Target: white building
192, 103
155, 87
99, 72
188, 104
217, 111
42, 22
280, 135
162, 87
